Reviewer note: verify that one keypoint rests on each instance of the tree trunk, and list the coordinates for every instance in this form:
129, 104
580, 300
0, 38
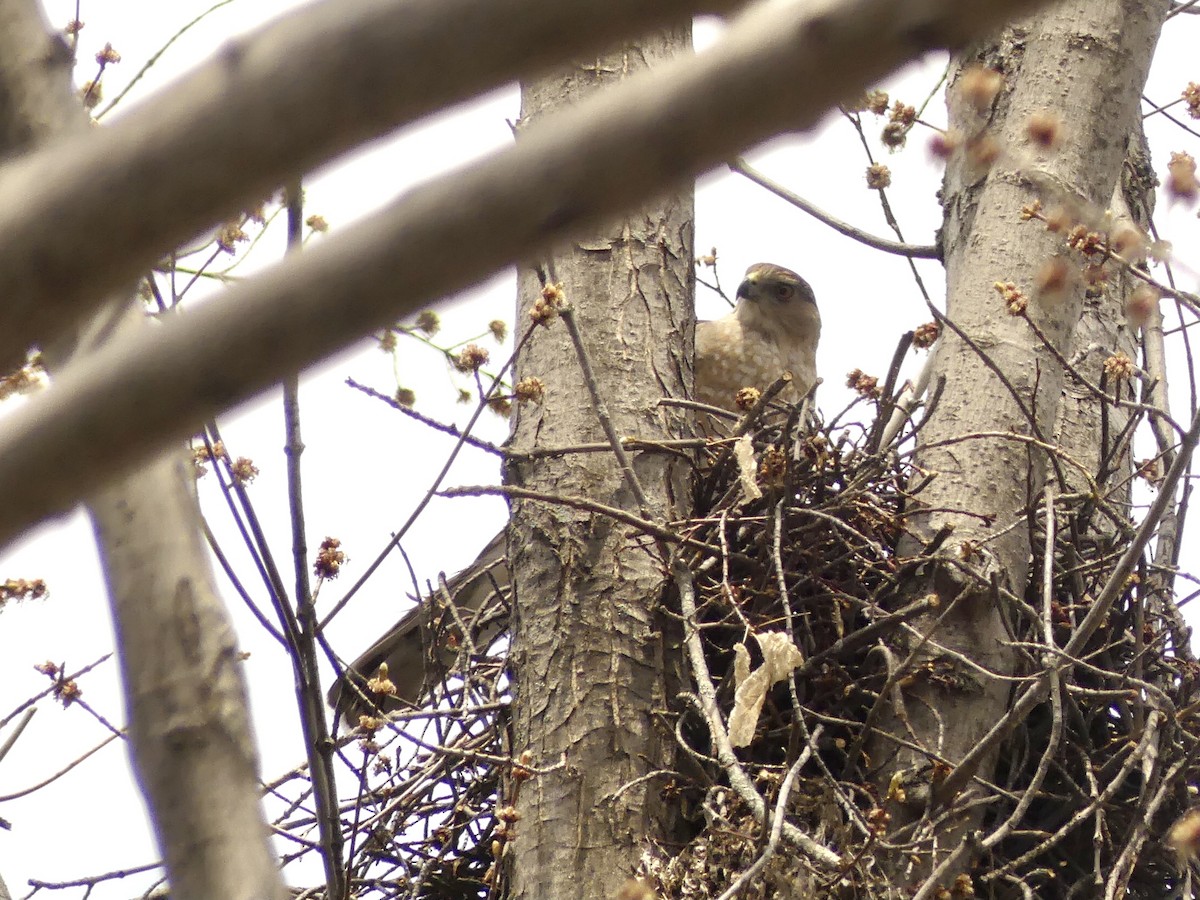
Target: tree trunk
191, 741
590, 690
189, 726
1073, 70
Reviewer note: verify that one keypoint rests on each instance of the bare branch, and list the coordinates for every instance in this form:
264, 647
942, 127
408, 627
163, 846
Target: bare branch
98, 211
777, 820
918, 251
779, 67
738, 779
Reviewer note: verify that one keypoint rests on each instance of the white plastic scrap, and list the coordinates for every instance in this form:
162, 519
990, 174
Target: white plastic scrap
780, 659
743, 453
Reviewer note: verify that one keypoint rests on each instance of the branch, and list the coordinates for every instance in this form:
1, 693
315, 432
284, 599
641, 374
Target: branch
189, 733
646, 526
738, 779
780, 66
918, 251
567, 314
776, 822
303, 621
1100, 608
88, 216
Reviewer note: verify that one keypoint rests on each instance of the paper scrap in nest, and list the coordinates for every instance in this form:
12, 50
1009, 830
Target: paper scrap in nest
743, 453
780, 659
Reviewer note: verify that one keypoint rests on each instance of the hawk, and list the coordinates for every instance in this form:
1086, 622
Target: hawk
773, 329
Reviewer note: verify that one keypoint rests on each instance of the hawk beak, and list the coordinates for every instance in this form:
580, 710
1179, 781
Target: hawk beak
744, 289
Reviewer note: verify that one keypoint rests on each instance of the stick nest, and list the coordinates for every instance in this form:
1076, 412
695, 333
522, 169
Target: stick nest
1085, 788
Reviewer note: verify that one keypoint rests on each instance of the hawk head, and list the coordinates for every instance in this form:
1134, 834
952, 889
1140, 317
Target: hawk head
772, 299
773, 285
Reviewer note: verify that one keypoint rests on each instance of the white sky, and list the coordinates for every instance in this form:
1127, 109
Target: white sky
366, 467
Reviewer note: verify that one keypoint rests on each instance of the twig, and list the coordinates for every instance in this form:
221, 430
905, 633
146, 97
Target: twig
655, 530
431, 492
1155, 412
889, 404
74, 676
913, 251
1032, 791
445, 428
776, 821
92, 880
934, 882
1120, 872
24, 792
567, 314
16, 732
738, 779
673, 445
310, 702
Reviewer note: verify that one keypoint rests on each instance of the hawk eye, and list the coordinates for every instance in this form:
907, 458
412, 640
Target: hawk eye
783, 291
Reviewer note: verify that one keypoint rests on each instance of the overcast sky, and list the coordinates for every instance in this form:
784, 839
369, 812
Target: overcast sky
366, 467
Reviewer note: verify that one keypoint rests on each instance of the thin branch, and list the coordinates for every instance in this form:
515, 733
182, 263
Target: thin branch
890, 405
918, 251
92, 880
303, 656
567, 314
24, 792
653, 529
150, 63
738, 779
452, 430
1032, 791
73, 676
671, 446
1119, 876
776, 821
463, 438
16, 732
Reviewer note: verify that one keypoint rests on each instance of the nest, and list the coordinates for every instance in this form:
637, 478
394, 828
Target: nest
1088, 783
823, 558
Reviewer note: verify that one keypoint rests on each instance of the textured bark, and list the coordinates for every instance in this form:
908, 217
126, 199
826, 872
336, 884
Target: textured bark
1084, 62
35, 81
590, 684
189, 726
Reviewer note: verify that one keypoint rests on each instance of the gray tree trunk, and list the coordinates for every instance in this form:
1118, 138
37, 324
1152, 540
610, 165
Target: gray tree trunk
189, 727
590, 683
191, 741
1083, 62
